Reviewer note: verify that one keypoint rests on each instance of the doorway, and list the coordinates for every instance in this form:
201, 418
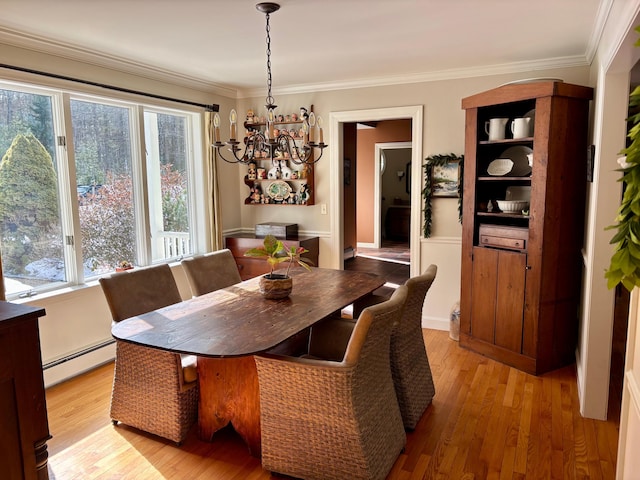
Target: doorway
392, 190
338, 121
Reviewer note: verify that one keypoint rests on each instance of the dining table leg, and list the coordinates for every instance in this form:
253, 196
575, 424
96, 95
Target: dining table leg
229, 393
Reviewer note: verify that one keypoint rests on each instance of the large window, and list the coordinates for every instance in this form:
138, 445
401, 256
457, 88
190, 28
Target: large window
118, 187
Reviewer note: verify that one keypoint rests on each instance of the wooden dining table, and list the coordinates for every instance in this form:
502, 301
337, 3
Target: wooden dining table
227, 327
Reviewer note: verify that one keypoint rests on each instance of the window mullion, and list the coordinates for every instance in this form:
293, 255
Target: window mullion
69, 217
140, 191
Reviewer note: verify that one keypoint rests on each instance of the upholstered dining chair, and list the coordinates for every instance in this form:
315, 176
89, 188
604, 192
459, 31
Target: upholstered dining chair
409, 360
154, 391
211, 271
334, 416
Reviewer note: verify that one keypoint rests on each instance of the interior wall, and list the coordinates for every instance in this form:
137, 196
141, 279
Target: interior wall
384, 132
614, 59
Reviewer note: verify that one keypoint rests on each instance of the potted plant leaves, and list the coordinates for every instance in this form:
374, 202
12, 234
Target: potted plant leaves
275, 285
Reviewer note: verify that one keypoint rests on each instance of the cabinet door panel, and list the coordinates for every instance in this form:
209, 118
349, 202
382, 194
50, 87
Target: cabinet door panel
10, 441
483, 293
510, 304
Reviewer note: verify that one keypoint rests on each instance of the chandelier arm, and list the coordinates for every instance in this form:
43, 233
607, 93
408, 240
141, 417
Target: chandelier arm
233, 148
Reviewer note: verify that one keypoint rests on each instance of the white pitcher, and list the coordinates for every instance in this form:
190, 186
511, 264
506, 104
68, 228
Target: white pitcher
495, 128
520, 127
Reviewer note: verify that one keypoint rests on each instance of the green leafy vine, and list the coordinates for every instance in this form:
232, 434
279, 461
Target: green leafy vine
625, 262
430, 162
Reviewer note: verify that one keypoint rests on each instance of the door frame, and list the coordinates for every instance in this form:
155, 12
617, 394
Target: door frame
377, 186
336, 193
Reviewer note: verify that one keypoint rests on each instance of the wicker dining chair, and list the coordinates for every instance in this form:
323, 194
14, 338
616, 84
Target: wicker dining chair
211, 271
153, 390
410, 367
326, 419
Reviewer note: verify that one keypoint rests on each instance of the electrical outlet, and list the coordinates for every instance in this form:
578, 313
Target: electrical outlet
323, 209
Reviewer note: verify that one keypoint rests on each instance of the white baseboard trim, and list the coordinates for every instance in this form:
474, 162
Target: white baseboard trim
78, 365
435, 323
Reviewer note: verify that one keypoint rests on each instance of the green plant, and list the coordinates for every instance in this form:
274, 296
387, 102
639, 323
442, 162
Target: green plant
430, 162
29, 217
275, 252
625, 262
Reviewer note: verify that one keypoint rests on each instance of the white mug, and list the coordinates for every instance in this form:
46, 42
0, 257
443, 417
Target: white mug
495, 128
520, 127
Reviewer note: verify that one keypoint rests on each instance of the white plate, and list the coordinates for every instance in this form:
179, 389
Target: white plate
518, 155
500, 167
514, 193
532, 123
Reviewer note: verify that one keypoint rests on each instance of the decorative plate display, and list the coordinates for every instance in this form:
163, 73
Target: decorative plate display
518, 155
500, 167
279, 190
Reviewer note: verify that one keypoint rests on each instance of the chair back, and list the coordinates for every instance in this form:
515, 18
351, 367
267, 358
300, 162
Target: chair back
210, 272
372, 332
418, 288
141, 290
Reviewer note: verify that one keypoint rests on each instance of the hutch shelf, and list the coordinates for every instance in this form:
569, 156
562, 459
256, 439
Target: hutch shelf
521, 269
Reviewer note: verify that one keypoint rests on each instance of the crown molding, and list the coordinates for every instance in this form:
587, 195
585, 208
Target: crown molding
46, 46
70, 52
453, 74
604, 9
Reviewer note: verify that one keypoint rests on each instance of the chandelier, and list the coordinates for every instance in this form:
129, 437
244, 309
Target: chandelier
271, 144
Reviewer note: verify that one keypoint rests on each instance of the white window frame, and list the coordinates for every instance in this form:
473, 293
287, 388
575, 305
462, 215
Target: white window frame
65, 160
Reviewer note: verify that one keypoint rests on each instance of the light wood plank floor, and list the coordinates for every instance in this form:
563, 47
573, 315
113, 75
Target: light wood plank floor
487, 421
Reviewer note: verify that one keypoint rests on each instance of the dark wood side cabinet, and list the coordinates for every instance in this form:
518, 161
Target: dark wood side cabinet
521, 270
24, 428
252, 267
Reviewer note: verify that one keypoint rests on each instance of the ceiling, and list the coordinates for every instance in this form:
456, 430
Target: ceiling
315, 44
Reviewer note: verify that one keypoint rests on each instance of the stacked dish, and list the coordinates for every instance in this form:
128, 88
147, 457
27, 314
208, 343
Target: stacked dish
512, 206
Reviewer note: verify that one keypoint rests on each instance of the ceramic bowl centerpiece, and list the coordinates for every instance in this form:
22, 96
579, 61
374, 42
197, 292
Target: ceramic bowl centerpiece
277, 285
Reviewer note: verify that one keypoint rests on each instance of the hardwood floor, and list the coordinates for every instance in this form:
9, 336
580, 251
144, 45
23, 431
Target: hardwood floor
487, 420
394, 273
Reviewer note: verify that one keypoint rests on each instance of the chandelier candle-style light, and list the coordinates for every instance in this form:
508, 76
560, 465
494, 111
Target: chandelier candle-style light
268, 144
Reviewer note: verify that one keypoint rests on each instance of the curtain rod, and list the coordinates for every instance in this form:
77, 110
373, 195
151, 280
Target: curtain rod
212, 108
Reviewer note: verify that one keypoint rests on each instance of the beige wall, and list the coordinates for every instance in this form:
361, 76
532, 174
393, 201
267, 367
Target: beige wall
443, 132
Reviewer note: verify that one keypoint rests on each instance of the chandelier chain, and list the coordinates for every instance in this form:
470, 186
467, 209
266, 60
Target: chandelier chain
270, 99
273, 144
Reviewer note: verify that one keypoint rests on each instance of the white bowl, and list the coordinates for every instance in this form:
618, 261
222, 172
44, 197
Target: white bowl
512, 206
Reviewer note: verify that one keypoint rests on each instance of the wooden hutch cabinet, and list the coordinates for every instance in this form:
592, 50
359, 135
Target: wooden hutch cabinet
24, 429
522, 266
